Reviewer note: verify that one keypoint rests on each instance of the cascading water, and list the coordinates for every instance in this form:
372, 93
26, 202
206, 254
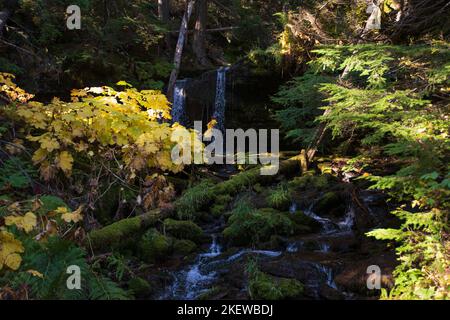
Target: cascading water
179, 102
194, 280
220, 103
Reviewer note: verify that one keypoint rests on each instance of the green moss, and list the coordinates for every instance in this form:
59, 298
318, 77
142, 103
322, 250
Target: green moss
279, 198
308, 182
184, 230
223, 199
154, 246
217, 210
194, 200
242, 181
266, 287
113, 234
139, 287
250, 226
184, 247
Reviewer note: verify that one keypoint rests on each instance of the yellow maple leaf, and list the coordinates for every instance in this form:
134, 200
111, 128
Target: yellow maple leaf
13, 261
9, 251
49, 144
74, 216
25, 223
65, 162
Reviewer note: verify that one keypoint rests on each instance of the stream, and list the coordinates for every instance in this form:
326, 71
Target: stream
314, 258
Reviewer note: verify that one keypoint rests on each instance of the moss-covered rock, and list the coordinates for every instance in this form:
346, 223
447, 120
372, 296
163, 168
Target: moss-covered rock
311, 182
139, 287
184, 230
265, 287
184, 247
154, 246
113, 235
250, 226
195, 199
279, 198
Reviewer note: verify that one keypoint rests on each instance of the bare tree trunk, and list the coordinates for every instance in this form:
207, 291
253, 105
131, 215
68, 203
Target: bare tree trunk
4, 16
179, 49
199, 40
164, 10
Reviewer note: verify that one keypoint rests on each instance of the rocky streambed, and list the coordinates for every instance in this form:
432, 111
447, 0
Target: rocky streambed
324, 254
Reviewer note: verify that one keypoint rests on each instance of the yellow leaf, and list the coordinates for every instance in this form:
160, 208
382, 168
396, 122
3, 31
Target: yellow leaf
26, 223
13, 261
73, 216
65, 162
35, 273
49, 144
9, 250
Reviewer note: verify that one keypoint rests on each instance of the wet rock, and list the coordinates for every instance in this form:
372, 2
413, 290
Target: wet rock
303, 223
187, 230
331, 203
353, 276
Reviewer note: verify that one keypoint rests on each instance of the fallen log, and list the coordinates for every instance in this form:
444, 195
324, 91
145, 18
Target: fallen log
114, 234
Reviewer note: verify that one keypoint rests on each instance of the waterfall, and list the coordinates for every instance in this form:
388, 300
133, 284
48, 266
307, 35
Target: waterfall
220, 103
179, 103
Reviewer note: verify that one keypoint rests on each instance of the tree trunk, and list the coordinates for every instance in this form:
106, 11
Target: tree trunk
199, 40
4, 16
164, 10
179, 49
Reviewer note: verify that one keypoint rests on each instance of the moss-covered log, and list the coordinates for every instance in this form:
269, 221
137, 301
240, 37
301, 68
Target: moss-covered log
114, 234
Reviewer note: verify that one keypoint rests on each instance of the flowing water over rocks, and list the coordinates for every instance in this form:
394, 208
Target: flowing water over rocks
317, 260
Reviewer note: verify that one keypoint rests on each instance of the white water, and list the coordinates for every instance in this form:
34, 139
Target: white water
179, 103
220, 103
198, 278
329, 275
267, 253
193, 281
